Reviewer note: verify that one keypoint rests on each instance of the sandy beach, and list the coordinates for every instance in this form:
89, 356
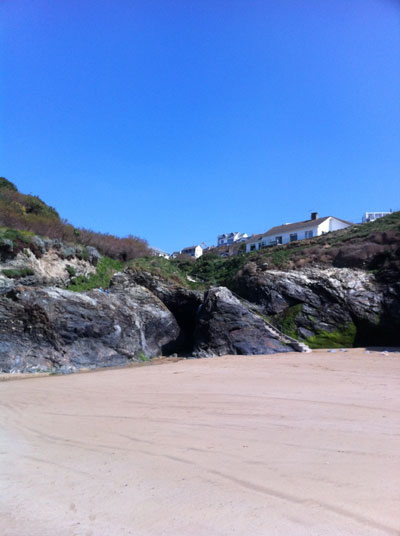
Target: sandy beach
286, 445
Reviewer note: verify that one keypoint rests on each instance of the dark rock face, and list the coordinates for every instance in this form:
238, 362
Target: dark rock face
51, 327
145, 316
182, 302
318, 300
226, 326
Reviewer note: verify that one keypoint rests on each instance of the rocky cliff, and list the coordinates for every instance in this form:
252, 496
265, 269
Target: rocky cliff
325, 307
46, 328
146, 312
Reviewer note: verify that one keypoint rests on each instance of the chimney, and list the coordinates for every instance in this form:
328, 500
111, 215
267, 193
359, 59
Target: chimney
314, 215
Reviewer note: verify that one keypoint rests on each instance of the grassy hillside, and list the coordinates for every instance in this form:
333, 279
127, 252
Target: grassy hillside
211, 270
24, 216
29, 215
325, 249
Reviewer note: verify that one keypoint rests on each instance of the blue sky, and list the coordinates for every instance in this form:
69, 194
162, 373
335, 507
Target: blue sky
177, 121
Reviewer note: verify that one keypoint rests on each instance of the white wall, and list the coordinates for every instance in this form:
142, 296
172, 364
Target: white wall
336, 225
300, 233
198, 252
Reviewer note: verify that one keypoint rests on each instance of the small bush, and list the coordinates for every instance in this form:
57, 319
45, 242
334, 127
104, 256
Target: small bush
8, 185
15, 273
142, 357
71, 270
16, 236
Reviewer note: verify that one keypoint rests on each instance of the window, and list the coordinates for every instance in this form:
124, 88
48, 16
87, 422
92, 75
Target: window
293, 237
278, 239
252, 247
308, 234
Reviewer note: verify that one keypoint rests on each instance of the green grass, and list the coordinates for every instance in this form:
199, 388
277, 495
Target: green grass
212, 270
160, 267
342, 337
143, 358
15, 273
174, 270
280, 257
16, 236
71, 270
105, 269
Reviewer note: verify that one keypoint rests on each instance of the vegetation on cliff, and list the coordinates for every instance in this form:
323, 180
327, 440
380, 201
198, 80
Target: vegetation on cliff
207, 271
23, 215
105, 269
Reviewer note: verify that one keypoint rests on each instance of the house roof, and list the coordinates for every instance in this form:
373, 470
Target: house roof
293, 227
158, 250
191, 247
227, 235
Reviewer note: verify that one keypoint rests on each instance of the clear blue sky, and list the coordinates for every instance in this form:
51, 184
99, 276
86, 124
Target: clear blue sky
180, 120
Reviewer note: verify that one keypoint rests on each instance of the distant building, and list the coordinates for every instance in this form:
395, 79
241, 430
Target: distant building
193, 251
290, 232
230, 238
157, 252
372, 216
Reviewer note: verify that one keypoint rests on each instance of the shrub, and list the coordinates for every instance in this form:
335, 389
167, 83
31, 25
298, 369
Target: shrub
8, 185
71, 270
15, 273
28, 213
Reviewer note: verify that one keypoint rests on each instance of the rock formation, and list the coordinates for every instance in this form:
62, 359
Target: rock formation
311, 302
227, 326
183, 303
146, 314
46, 262
42, 328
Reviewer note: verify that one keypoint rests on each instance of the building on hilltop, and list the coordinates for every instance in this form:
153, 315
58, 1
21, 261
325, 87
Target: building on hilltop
157, 252
372, 216
230, 238
290, 232
192, 251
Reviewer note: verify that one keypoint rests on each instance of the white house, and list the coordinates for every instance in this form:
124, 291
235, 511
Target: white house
372, 216
290, 232
230, 238
193, 251
157, 252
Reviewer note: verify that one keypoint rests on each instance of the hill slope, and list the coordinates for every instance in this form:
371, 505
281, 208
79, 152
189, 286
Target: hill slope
30, 215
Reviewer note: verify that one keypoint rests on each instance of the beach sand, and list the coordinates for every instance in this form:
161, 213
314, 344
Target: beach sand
287, 445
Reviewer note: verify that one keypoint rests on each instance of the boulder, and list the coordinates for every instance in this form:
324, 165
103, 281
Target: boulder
183, 302
94, 255
227, 326
53, 328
